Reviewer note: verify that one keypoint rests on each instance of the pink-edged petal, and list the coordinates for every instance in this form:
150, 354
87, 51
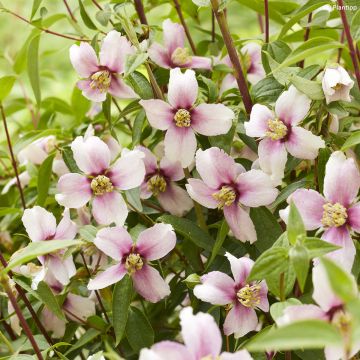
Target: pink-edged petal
211, 119
240, 223
150, 160
240, 321
200, 62
200, 333
114, 242
90, 93
159, 56
301, 312
240, 268
52, 323
128, 172
201, 193
216, 167
342, 179
255, 188
175, 200
229, 82
91, 154
165, 350
62, 270
159, 113
216, 288
171, 169
39, 223
259, 118
239, 355
183, 89
303, 144
156, 242
120, 90
80, 306
292, 106
109, 208
83, 59
174, 35
180, 145
354, 217
108, 277
114, 50
264, 302
150, 285
74, 191
113, 146
67, 228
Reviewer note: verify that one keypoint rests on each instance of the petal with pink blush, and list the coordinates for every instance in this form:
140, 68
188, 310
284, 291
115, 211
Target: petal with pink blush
156, 242
114, 242
342, 179
180, 145
239, 355
264, 302
211, 119
91, 155
150, 285
158, 112
201, 193
240, 223
354, 217
216, 288
240, 268
165, 350
67, 228
150, 160
292, 106
303, 144
108, 277
159, 56
259, 118
301, 312
52, 323
229, 82
174, 35
60, 269
171, 169
80, 306
90, 93
83, 59
175, 200
183, 89
240, 321
120, 90
74, 191
109, 208
200, 62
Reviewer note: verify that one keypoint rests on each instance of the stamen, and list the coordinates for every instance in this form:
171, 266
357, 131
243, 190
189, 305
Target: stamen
225, 196
334, 215
249, 295
133, 263
338, 86
101, 185
277, 129
182, 118
156, 184
101, 80
342, 320
181, 56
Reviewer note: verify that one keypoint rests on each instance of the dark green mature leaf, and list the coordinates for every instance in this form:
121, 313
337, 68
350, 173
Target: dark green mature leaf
33, 67
137, 127
140, 84
221, 235
68, 158
324, 155
6, 84
224, 141
212, 89
89, 335
295, 228
49, 299
85, 17
266, 90
299, 258
44, 178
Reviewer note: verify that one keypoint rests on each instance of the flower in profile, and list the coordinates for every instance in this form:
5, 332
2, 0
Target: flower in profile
181, 118
40, 225
202, 341
227, 186
280, 134
101, 179
336, 84
160, 182
100, 77
175, 54
133, 259
240, 297
337, 212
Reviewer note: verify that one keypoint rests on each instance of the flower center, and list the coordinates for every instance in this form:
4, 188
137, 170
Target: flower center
101, 80
182, 118
249, 295
334, 215
156, 184
101, 185
338, 86
133, 263
225, 196
210, 357
277, 129
181, 56
342, 320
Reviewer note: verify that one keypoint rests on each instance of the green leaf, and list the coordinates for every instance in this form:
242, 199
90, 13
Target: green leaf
317, 247
106, 108
299, 259
266, 90
49, 299
324, 155
309, 334
141, 85
6, 84
224, 142
278, 50
32, 136
312, 89
7, 210
103, 17
221, 235
36, 4
68, 158
44, 178
89, 335
139, 332
355, 26
211, 87
192, 280
33, 67
85, 17
137, 127
133, 198
133, 62
120, 306
352, 140
88, 232
295, 228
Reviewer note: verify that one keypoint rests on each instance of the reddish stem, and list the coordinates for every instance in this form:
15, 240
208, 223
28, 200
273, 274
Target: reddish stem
266, 5
306, 37
261, 23
69, 11
139, 7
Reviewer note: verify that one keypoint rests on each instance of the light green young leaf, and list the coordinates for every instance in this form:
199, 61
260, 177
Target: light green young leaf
352, 140
137, 127
44, 178
317, 247
140, 84
312, 89
133, 62
295, 228
85, 17
33, 67
299, 259
6, 84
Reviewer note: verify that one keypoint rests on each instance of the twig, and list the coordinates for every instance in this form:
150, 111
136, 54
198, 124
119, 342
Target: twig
69, 11
212, 26
306, 37
139, 7
266, 11
154, 83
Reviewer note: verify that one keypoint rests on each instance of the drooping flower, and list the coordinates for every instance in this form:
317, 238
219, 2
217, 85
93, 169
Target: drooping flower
41, 226
160, 182
226, 185
337, 212
280, 134
133, 259
100, 77
100, 180
181, 118
336, 84
175, 54
202, 341
239, 297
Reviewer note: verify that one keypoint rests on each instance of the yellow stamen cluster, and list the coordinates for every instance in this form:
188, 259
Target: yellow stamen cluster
249, 295
210, 357
101, 185
182, 118
181, 56
334, 215
133, 263
225, 196
342, 320
277, 129
156, 184
101, 80
338, 86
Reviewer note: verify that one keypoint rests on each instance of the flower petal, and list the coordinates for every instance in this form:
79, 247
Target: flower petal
52, 323
240, 268
301, 312
200, 62
174, 35
171, 169
83, 59
159, 56
90, 93
354, 217
108, 277
240, 321
121, 90
80, 306
62, 270
239, 355
158, 112
165, 350
229, 82
201, 193
258, 124
175, 200
150, 160
67, 228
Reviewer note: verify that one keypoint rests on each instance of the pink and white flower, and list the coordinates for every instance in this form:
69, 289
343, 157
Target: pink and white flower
202, 341
175, 54
160, 182
103, 75
133, 259
101, 179
181, 118
41, 226
240, 297
337, 212
280, 134
226, 185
